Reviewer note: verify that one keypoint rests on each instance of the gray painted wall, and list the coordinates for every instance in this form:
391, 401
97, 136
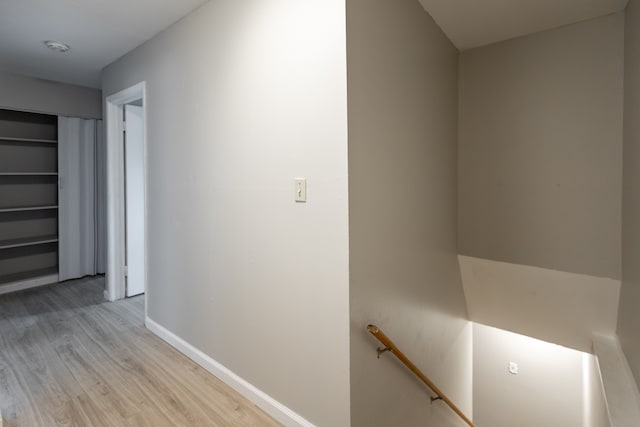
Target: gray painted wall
554, 387
551, 305
241, 98
402, 75
540, 149
595, 404
629, 315
30, 94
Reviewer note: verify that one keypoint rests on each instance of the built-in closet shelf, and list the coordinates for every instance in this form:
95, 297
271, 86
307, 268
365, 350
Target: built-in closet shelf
25, 275
42, 141
28, 173
27, 241
29, 208
28, 200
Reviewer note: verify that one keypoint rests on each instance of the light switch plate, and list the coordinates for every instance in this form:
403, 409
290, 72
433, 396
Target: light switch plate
300, 188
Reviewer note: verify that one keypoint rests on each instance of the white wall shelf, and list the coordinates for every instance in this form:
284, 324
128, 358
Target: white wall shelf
42, 141
27, 241
28, 173
28, 279
28, 208
28, 200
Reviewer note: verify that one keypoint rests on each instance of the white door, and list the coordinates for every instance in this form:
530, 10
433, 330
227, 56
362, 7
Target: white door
134, 189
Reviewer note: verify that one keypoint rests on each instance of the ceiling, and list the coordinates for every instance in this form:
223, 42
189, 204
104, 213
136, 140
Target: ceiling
473, 23
98, 31
101, 31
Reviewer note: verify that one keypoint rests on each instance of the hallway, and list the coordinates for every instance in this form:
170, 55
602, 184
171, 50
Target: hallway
69, 358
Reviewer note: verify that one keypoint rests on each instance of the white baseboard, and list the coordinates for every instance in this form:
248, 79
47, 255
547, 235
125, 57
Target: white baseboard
27, 284
262, 400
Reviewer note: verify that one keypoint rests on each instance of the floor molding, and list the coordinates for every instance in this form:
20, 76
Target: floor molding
265, 402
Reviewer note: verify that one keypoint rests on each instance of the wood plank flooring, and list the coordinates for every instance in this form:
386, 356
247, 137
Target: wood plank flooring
68, 358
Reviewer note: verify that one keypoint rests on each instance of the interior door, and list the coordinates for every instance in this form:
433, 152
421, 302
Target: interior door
134, 189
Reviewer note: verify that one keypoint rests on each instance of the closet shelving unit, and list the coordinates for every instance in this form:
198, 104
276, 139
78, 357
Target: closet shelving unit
28, 199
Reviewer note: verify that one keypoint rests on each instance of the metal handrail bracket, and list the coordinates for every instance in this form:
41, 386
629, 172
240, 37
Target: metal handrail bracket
389, 346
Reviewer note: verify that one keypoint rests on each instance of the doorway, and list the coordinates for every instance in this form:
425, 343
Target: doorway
133, 138
126, 194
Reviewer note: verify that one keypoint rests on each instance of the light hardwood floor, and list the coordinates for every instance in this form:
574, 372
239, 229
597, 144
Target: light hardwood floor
68, 358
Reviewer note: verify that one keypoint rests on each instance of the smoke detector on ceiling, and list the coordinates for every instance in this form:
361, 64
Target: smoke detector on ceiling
57, 46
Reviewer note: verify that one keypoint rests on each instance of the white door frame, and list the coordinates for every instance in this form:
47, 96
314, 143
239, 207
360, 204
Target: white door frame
115, 190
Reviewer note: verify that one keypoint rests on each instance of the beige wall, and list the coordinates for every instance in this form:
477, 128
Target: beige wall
43, 96
551, 305
594, 403
402, 75
540, 149
554, 387
241, 98
629, 315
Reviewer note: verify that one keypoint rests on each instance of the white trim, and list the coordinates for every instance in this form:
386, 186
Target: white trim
262, 400
115, 273
621, 392
27, 284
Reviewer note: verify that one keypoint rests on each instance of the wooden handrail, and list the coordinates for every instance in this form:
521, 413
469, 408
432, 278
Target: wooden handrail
390, 346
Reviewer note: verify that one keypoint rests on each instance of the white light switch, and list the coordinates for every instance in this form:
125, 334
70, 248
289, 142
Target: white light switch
513, 368
300, 187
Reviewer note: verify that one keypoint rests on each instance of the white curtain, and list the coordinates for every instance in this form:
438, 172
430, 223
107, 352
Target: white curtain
80, 198
101, 202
